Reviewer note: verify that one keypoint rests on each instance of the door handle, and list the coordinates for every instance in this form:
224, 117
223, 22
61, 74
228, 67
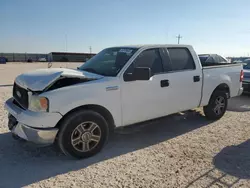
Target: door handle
197, 78
164, 83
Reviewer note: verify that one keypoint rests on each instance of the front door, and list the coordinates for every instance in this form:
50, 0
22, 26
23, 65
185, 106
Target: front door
142, 100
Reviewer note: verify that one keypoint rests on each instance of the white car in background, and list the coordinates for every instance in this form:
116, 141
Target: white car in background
43, 59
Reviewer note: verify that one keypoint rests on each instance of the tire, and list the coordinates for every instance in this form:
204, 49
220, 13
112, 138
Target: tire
212, 111
77, 136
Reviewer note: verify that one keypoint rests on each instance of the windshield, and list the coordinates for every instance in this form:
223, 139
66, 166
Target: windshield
203, 58
109, 61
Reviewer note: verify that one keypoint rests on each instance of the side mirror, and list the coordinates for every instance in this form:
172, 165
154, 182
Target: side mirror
139, 73
142, 73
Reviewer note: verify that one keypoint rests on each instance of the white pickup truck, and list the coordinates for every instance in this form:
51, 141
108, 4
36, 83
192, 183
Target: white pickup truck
119, 86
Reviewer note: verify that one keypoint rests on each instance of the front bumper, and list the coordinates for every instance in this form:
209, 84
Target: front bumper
38, 136
32, 126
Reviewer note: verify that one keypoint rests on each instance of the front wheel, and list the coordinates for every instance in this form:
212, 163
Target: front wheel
217, 106
83, 134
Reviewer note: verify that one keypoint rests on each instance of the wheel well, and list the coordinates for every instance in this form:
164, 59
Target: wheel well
223, 87
97, 108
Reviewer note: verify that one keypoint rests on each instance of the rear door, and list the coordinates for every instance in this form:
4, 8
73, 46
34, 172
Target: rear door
185, 80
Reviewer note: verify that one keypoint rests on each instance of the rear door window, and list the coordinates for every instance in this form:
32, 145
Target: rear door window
181, 59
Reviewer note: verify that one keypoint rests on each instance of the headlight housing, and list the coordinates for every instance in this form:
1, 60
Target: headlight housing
38, 104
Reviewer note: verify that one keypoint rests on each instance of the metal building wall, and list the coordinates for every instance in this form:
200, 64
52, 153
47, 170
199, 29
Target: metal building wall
22, 57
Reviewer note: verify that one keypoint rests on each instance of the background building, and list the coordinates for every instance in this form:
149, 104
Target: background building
22, 57
69, 57
238, 58
53, 56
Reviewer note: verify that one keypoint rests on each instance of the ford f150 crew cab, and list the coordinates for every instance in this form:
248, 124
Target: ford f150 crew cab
119, 86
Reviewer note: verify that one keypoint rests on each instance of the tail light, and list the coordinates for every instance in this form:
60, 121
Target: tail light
241, 75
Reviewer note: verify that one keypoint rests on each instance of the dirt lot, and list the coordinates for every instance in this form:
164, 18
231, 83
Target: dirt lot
182, 150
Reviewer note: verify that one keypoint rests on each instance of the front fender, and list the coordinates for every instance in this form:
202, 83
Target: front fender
66, 99
114, 109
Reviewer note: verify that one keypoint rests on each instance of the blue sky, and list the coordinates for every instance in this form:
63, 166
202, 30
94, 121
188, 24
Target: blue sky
211, 26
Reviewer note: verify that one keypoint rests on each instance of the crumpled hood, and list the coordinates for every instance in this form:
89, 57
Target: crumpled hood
39, 79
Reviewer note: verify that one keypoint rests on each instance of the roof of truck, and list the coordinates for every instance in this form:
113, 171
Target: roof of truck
154, 46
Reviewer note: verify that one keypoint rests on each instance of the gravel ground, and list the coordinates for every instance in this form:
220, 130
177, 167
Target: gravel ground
182, 150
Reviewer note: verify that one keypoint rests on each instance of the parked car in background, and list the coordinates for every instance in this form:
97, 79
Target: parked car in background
117, 87
246, 79
43, 59
238, 61
3, 60
29, 60
212, 59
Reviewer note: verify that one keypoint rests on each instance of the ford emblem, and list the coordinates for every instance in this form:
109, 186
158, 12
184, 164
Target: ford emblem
19, 94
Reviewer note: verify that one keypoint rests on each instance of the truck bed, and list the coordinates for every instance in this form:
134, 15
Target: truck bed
218, 65
213, 76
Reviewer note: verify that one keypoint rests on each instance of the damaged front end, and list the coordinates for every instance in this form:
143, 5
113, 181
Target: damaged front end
28, 86
64, 82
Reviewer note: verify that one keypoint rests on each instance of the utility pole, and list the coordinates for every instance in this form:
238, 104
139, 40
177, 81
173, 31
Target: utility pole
66, 40
179, 38
90, 49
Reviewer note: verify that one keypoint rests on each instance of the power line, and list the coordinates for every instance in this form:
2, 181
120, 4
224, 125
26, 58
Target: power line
179, 38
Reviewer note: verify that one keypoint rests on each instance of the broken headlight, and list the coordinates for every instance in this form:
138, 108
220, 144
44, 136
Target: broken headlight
38, 104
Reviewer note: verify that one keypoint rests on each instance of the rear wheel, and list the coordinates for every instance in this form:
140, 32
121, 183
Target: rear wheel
217, 105
83, 134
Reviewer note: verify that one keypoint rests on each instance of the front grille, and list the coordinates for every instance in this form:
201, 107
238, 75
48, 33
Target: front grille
17, 104
21, 95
